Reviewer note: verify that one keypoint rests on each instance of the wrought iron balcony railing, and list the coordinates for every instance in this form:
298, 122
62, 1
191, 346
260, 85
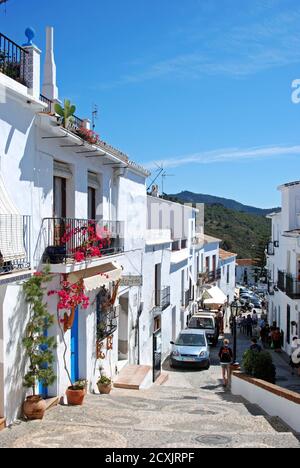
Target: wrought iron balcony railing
163, 298
67, 240
292, 285
15, 243
49, 109
12, 59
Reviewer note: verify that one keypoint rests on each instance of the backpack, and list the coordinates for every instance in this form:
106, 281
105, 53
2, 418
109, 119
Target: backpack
226, 355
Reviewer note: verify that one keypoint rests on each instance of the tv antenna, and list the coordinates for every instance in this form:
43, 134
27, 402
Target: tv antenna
94, 116
159, 170
163, 178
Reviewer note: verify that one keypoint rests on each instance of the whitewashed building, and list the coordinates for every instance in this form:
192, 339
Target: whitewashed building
227, 283
283, 264
55, 185
247, 272
51, 178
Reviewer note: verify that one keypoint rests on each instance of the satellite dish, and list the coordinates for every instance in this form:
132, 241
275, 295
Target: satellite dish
296, 356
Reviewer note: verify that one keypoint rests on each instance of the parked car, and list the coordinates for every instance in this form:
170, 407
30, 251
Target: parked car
190, 348
206, 321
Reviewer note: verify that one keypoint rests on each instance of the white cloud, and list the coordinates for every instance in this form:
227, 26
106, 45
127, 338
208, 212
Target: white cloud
226, 155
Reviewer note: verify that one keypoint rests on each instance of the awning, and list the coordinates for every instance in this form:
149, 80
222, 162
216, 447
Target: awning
95, 278
11, 228
214, 296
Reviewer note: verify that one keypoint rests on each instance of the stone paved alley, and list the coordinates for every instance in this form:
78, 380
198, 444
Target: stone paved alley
191, 410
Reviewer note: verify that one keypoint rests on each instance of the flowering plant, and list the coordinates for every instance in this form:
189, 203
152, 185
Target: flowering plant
71, 295
91, 240
88, 135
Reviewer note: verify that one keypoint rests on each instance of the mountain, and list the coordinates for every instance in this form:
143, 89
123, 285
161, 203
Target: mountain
190, 197
243, 229
242, 233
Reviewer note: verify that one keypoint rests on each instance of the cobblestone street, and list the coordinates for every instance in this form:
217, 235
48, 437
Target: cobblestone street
190, 410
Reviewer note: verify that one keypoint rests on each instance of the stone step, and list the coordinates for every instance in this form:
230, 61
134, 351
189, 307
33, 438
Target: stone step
2, 424
133, 377
162, 379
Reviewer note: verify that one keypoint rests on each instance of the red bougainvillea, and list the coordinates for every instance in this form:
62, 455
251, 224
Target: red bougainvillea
71, 295
86, 241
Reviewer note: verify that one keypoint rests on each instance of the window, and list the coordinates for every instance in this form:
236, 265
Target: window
106, 315
91, 203
157, 284
228, 274
207, 263
214, 267
59, 197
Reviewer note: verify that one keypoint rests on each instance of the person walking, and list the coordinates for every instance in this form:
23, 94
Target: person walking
226, 357
254, 318
255, 346
249, 325
276, 340
294, 347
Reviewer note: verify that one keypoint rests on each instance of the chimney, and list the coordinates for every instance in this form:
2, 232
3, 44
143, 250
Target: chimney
49, 87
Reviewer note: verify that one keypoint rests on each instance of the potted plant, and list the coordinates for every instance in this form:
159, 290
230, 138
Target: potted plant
39, 347
76, 393
104, 385
66, 113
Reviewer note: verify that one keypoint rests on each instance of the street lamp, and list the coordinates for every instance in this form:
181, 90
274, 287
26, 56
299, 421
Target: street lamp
235, 309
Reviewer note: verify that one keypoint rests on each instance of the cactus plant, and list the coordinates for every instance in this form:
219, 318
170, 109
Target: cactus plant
67, 112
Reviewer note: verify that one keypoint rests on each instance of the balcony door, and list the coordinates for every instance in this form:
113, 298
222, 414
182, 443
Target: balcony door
59, 197
91, 203
157, 284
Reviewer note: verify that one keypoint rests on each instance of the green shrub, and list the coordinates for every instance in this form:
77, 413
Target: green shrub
259, 365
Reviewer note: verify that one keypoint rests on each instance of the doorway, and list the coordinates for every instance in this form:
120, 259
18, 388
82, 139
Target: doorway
157, 348
74, 349
123, 335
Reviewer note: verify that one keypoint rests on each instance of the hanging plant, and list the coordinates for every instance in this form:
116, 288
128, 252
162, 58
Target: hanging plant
70, 297
39, 347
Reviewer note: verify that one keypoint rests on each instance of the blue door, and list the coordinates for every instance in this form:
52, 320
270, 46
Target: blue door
74, 350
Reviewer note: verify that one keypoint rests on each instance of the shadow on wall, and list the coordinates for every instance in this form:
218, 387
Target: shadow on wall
15, 320
21, 143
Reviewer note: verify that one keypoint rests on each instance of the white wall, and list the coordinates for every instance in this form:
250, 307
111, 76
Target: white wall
274, 405
228, 288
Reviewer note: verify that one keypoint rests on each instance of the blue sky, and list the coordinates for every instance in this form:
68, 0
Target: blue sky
202, 85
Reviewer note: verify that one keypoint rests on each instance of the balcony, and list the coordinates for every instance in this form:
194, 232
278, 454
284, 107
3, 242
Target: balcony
15, 232
163, 298
292, 287
281, 283
69, 241
270, 248
12, 59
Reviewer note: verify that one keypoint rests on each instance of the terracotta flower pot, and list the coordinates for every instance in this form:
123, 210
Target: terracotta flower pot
75, 397
34, 408
104, 389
